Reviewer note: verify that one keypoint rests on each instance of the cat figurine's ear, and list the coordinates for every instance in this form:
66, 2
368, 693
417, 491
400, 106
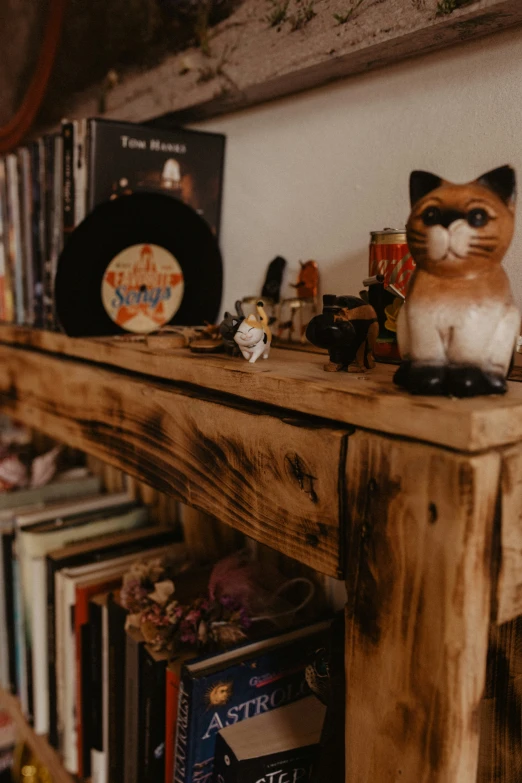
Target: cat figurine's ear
422, 183
503, 182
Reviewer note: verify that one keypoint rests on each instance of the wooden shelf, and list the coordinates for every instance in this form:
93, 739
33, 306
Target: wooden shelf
290, 382
415, 501
261, 447
43, 751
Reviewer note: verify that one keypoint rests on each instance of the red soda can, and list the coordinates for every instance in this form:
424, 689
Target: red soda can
391, 257
391, 267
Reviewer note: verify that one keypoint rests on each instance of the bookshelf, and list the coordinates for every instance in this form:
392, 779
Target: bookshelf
415, 502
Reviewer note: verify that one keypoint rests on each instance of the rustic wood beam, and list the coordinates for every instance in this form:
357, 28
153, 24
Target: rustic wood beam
250, 61
297, 380
421, 523
509, 590
501, 709
277, 478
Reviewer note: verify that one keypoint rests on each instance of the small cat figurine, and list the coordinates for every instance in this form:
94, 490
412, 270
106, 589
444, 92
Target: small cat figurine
228, 328
254, 336
458, 326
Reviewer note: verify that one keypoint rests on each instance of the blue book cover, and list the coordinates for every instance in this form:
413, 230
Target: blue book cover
227, 688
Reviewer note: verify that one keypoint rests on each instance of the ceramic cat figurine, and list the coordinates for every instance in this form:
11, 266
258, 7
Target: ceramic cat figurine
254, 336
458, 327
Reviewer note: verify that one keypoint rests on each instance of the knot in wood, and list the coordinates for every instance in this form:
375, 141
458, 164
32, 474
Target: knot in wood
304, 478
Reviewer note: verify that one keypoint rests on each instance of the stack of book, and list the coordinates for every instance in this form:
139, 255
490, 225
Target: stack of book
118, 708
60, 546
50, 185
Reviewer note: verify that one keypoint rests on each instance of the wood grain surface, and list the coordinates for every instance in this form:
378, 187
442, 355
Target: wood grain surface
419, 600
509, 597
279, 479
297, 380
501, 709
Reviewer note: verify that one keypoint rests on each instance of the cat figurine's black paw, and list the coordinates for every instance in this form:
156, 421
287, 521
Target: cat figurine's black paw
421, 379
453, 381
472, 382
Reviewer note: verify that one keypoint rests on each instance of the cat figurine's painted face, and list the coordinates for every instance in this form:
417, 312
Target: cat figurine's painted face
461, 230
249, 333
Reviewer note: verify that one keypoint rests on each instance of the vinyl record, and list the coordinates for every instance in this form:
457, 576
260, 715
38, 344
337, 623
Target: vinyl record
135, 264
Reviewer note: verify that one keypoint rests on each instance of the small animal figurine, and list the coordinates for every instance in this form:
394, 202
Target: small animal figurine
274, 278
228, 328
307, 286
254, 336
458, 326
348, 328
308, 280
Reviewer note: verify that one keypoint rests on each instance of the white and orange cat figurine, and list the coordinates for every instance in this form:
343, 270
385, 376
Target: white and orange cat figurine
458, 327
254, 336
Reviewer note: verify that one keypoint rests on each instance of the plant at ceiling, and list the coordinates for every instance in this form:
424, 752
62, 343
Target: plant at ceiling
345, 17
446, 7
200, 15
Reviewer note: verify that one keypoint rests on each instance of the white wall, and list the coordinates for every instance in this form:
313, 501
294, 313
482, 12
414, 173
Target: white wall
310, 176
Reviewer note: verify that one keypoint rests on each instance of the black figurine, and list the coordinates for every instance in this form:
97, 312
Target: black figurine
228, 328
348, 328
274, 277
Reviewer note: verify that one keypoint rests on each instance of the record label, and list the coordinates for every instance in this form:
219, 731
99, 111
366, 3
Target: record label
142, 288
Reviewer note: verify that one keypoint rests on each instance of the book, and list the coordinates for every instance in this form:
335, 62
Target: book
167, 691
11, 503
14, 228
68, 485
81, 618
279, 746
330, 763
172, 688
37, 195
101, 549
152, 685
55, 224
5, 681
74, 174
229, 687
124, 158
38, 532
22, 671
117, 674
106, 575
68, 210
6, 292
134, 725
7, 598
144, 760
97, 736
26, 218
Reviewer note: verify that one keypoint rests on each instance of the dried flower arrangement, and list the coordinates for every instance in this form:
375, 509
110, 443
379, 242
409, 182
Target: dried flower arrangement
236, 598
